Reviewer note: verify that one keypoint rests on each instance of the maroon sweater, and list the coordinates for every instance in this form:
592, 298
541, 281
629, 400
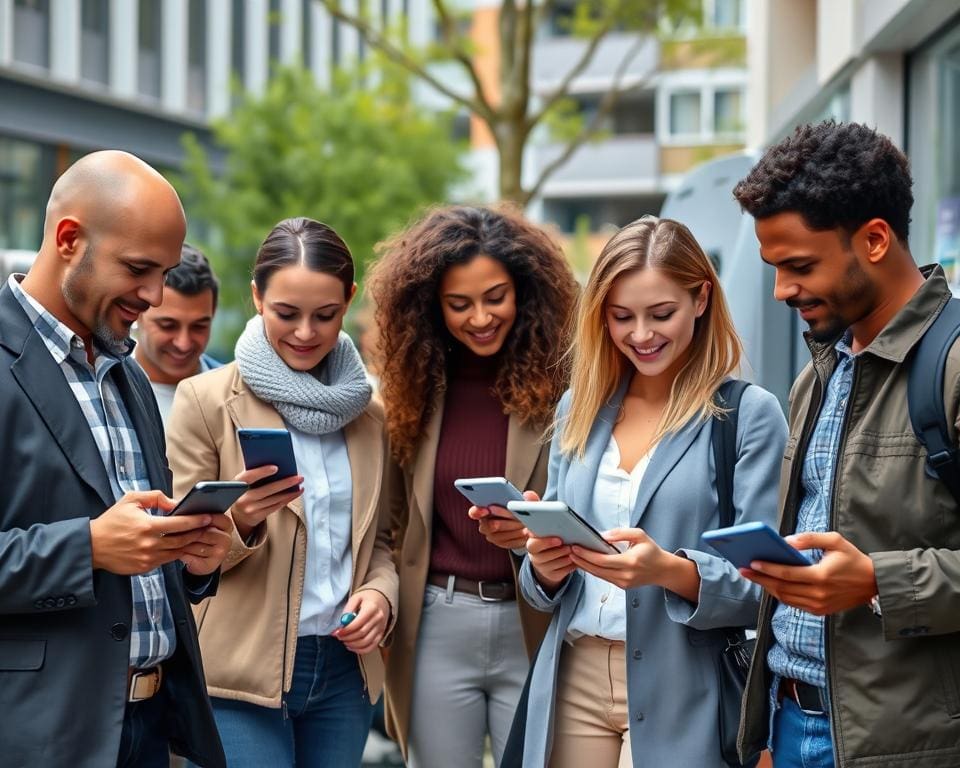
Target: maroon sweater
473, 443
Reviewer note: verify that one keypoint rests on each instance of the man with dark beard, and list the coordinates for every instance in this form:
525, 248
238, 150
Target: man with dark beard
858, 655
99, 662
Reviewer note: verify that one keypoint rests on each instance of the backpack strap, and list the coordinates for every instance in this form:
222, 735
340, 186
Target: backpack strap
925, 396
724, 441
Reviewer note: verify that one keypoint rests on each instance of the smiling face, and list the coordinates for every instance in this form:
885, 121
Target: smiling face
118, 277
303, 314
651, 318
479, 304
173, 336
818, 274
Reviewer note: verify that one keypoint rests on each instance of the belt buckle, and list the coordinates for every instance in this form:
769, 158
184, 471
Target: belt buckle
144, 685
490, 598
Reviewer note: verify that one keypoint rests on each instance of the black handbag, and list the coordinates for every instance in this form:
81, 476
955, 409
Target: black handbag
733, 661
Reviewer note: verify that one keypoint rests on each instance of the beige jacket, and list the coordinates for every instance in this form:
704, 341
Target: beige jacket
411, 498
248, 631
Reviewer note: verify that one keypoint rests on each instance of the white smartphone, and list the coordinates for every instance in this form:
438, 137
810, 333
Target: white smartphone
554, 518
488, 491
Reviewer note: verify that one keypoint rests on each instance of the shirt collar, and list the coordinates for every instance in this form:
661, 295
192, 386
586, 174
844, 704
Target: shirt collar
61, 340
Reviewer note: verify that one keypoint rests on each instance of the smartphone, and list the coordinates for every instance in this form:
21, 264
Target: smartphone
268, 446
210, 497
742, 544
554, 518
488, 491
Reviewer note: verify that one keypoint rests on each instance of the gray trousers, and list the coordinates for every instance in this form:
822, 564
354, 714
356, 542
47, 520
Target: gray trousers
470, 669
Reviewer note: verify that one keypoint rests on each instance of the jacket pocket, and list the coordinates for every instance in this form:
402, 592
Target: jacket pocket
22, 654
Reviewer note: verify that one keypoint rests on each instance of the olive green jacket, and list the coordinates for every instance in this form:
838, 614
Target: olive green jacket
894, 682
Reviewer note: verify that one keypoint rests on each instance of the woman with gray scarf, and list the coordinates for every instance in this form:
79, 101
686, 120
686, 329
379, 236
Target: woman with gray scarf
292, 677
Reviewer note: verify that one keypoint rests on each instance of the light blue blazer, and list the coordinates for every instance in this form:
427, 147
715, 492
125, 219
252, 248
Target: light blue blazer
672, 645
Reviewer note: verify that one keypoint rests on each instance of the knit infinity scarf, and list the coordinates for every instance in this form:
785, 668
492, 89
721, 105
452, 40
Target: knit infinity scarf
313, 405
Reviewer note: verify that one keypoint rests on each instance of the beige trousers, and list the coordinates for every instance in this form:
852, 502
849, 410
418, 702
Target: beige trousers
592, 727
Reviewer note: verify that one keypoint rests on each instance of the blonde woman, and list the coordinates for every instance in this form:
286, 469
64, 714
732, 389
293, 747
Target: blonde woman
626, 673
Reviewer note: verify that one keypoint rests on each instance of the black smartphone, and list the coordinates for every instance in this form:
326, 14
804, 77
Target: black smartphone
210, 497
268, 446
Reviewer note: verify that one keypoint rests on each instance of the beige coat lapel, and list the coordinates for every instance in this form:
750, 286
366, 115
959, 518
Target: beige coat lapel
523, 451
365, 450
425, 464
248, 411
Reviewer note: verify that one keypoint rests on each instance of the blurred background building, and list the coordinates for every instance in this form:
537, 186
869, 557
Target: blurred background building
78, 75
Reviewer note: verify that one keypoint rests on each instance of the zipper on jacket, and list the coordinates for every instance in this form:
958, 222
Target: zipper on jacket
832, 521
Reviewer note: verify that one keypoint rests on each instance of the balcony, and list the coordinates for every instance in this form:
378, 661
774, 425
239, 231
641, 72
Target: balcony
554, 57
616, 165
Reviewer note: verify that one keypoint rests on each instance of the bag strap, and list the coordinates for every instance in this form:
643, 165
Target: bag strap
925, 396
724, 441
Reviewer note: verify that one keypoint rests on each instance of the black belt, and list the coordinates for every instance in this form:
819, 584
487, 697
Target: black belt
810, 698
490, 591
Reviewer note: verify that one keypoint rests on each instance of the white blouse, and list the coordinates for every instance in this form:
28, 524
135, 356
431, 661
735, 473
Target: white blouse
602, 609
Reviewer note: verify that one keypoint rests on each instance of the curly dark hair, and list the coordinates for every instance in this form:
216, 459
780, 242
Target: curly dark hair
414, 340
835, 175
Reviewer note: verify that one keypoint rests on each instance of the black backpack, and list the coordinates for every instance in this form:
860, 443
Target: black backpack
925, 396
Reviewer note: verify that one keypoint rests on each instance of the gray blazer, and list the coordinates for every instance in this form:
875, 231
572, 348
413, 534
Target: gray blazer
671, 645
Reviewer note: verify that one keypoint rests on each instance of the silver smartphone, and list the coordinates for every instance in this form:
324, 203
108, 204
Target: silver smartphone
554, 518
488, 491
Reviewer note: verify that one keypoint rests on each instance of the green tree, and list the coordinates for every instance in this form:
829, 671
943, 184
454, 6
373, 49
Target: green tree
507, 103
362, 159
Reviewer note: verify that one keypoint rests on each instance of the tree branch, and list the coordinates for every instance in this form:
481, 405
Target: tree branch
603, 110
399, 57
578, 69
452, 38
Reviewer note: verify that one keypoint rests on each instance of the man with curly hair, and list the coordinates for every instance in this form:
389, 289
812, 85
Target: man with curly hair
858, 655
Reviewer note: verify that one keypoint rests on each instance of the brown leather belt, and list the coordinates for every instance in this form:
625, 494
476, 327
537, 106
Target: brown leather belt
489, 591
808, 697
143, 684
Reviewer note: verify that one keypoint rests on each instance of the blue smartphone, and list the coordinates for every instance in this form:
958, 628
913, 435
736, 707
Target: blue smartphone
742, 544
268, 446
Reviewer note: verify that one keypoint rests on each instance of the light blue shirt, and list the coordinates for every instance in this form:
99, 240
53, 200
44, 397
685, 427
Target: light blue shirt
328, 508
602, 609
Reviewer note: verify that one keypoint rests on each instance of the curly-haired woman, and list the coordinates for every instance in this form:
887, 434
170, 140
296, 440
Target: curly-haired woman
473, 306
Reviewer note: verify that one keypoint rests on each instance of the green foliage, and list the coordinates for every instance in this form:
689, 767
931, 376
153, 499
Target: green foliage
364, 160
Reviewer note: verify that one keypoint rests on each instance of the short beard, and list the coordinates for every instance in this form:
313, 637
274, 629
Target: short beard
857, 294
75, 295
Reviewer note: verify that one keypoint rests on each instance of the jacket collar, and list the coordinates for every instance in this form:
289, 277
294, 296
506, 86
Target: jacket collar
905, 328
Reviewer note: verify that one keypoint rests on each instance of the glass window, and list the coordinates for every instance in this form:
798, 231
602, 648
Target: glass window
727, 14
31, 32
685, 113
148, 50
197, 56
275, 20
238, 45
728, 111
26, 178
95, 41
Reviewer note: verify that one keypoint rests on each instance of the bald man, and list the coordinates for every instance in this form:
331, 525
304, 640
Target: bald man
99, 664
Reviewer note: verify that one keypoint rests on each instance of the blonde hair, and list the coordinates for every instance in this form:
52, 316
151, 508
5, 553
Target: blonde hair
598, 367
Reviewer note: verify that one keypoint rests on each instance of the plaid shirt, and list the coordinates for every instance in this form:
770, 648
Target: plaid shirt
153, 636
798, 650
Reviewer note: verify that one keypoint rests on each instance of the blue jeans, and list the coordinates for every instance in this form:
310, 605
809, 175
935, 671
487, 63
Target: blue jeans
801, 740
324, 720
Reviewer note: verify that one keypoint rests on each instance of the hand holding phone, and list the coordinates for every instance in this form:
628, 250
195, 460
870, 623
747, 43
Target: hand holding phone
261, 447
745, 543
554, 519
